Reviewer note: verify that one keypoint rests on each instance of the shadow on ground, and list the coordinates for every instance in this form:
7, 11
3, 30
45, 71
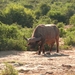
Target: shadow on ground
54, 54
9, 53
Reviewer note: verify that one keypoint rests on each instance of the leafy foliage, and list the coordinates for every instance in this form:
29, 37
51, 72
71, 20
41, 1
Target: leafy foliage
44, 9
12, 37
25, 12
72, 20
17, 14
62, 32
56, 15
19, 17
9, 70
70, 40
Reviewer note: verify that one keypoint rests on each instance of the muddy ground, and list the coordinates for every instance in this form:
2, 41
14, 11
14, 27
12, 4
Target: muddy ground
30, 63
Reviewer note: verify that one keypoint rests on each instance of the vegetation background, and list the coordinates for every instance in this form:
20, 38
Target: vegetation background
18, 18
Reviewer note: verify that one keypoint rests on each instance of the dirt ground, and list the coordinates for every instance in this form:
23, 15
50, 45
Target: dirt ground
30, 63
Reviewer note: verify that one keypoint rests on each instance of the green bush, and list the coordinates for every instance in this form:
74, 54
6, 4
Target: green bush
37, 14
72, 20
17, 14
44, 20
70, 38
11, 37
66, 47
9, 70
42, 10
60, 25
68, 13
62, 32
71, 29
56, 15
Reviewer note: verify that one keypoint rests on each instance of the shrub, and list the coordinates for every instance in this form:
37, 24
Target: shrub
60, 25
42, 10
72, 20
66, 47
11, 37
68, 13
16, 13
70, 39
62, 32
37, 14
44, 20
9, 70
56, 15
